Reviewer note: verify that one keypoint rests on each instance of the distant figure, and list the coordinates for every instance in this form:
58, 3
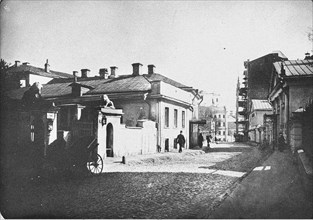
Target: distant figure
159, 148
281, 142
215, 140
200, 140
181, 141
208, 140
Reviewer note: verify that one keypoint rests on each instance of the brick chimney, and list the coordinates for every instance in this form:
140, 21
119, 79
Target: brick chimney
47, 67
75, 75
85, 72
137, 69
17, 63
113, 70
103, 73
151, 68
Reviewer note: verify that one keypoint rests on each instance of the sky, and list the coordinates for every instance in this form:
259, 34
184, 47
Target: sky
202, 44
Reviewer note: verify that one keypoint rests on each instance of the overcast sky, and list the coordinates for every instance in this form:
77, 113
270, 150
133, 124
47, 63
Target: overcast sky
202, 44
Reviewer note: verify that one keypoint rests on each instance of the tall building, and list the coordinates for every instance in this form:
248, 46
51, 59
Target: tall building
255, 85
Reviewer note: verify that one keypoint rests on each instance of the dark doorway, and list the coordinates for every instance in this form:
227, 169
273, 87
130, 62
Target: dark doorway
109, 143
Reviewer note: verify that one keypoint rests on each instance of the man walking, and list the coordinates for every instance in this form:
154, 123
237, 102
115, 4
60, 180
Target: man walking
200, 140
208, 140
181, 141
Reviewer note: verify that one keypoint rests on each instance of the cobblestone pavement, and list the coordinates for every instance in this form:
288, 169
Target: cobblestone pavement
180, 188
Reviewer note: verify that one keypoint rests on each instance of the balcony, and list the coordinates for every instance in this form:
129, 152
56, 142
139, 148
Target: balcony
243, 122
243, 112
242, 103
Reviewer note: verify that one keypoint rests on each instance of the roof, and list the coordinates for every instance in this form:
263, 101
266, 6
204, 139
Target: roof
127, 84
259, 104
295, 67
278, 52
61, 87
159, 77
37, 71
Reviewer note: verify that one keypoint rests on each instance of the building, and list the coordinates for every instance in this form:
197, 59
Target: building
256, 83
231, 127
215, 114
258, 109
142, 103
291, 95
24, 75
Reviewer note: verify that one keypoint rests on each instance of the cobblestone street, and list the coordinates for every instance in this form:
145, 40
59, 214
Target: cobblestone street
178, 188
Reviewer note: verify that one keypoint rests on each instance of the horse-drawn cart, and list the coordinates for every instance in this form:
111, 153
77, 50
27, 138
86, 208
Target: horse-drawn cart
80, 157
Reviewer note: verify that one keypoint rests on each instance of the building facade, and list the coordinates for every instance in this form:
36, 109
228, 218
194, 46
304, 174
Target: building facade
150, 107
291, 95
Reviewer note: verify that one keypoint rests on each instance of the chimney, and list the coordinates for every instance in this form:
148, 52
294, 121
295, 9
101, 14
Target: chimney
47, 67
308, 57
25, 63
85, 73
103, 73
17, 63
151, 69
75, 75
113, 69
136, 69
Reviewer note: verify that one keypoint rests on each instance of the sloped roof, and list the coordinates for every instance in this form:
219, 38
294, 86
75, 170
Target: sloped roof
259, 104
124, 84
156, 77
37, 71
295, 67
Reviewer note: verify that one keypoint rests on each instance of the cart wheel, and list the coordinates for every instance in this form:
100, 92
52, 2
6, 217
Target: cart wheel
95, 166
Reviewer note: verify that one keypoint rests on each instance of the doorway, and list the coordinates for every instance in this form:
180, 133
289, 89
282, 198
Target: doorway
109, 140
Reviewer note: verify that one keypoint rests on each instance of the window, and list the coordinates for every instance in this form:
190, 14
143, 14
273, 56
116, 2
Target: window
183, 118
223, 116
223, 124
167, 111
214, 116
22, 83
175, 118
219, 116
223, 132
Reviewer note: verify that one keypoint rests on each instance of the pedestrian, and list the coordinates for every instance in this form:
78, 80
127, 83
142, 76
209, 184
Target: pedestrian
208, 140
200, 140
281, 142
181, 141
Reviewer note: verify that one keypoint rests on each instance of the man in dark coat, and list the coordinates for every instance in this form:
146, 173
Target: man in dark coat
281, 142
200, 140
208, 139
181, 141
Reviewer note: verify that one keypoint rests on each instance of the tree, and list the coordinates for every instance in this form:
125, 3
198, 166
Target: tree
4, 65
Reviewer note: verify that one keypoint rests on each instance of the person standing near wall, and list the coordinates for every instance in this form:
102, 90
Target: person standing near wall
181, 141
281, 142
200, 140
208, 139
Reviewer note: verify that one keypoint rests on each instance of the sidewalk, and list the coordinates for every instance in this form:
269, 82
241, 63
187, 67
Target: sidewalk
274, 190
151, 158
